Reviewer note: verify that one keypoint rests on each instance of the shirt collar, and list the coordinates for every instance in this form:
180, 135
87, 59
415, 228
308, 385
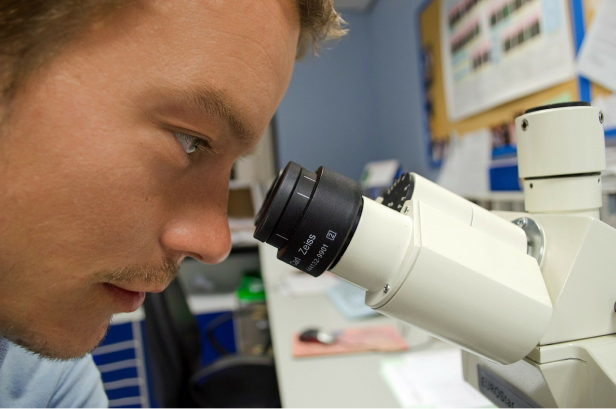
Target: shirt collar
4, 346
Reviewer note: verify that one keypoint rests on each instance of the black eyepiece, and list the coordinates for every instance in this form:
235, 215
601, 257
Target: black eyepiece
310, 217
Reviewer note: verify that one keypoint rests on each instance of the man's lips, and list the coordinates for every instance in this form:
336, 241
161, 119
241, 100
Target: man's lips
141, 288
126, 300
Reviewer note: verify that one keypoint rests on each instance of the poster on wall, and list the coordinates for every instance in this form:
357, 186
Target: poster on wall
494, 51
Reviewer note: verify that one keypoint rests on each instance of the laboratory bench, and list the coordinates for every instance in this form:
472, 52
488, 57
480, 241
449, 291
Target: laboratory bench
351, 380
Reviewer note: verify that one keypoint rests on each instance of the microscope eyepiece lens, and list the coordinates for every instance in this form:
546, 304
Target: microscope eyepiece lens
276, 201
310, 217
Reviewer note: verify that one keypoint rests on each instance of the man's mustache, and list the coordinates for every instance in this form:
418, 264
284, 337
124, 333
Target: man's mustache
153, 273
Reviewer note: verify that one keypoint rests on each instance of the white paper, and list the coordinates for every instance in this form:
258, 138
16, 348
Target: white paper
465, 171
431, 379
379, 174
597, 57
542, 59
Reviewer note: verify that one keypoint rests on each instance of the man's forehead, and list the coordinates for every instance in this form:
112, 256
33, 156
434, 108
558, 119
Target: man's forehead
205, 56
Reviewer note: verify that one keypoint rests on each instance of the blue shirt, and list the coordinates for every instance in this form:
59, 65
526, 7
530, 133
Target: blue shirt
27, 380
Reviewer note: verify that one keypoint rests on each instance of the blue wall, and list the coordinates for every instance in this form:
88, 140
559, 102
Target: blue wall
398, 84
360, 100
327, 116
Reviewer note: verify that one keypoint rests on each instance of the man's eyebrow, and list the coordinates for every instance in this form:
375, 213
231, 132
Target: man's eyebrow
215, 103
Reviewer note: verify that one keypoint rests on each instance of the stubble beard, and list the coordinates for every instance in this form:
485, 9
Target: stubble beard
160, 274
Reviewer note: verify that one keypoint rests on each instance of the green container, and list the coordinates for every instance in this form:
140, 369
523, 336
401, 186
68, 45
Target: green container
251, 288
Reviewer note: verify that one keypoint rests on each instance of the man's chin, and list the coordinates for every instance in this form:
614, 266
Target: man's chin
61, 350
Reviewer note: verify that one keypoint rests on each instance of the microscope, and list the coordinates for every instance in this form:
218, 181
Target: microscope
528, 297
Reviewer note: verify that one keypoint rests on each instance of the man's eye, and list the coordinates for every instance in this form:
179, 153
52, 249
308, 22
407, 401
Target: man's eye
190, 143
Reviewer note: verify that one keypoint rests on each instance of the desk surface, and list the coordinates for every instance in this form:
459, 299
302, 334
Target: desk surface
334, 381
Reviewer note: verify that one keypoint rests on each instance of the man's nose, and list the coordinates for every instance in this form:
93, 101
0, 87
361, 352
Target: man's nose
199, 229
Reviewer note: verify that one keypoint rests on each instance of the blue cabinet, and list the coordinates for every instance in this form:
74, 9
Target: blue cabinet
121, 360
121, 357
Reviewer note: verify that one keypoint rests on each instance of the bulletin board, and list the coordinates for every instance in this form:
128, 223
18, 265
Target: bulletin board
595, 89
437, 126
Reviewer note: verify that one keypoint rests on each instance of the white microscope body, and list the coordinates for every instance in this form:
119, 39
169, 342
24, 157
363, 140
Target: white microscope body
560, 154
531, 303
529, 297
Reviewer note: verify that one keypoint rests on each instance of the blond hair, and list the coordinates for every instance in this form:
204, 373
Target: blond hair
319, 23
32, 32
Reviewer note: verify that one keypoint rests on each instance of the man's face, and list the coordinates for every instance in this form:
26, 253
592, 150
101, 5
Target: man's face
103, 186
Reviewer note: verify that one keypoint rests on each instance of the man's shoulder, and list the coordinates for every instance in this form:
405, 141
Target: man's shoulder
27, 380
